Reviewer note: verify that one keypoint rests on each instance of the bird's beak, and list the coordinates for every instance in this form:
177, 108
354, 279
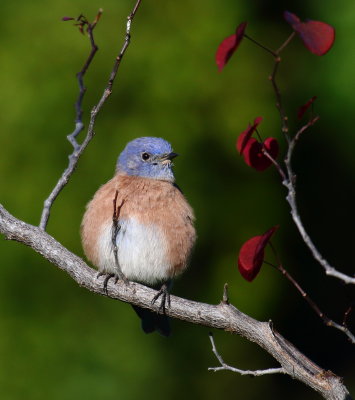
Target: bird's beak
172, 155
166, 158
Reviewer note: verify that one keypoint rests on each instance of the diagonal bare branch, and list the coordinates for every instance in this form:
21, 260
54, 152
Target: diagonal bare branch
226, 367
326, 320
289, 181
223, 316
289, 178
290, 184
79, 149
79, 125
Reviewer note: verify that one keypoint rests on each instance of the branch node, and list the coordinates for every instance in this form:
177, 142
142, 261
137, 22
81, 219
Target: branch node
293, 362
225, 298
226, 367
79, 126
271, 326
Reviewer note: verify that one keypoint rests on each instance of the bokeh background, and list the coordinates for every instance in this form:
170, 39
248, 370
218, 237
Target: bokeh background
58, 340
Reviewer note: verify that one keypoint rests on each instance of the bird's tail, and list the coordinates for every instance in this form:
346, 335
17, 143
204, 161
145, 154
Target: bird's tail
152, 321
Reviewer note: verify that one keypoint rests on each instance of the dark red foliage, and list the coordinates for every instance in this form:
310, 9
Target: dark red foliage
244, 137
251, 255
252, 150
305, 107
317, 36
229, 45
67, 18
254, 156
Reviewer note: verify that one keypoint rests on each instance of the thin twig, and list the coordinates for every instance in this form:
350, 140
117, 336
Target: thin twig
346, 316
289, 178
124, 47
261, 45
79, 125
270, 157
221, 316
285, 43
272, 78
74, 157
226, 367
326, 320
328, 269
298, 134
225, 298
115, 229
290, 184
276, 164
279, 104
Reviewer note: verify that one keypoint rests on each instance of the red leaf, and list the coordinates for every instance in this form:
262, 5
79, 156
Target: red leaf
254, 156
305, 107
67, 18
244, 137
229, 45
317, 36
251, 255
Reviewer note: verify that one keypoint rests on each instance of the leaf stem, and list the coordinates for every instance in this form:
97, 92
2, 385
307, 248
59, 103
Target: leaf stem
261, 45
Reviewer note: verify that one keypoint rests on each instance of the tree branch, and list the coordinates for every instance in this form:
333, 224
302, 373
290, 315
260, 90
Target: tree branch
79, 149
290, 184
226, 367
289, 178
326, 320
79, 125
289, 181
222, 316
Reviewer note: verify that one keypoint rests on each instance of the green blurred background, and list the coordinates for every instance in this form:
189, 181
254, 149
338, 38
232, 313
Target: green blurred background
59, 341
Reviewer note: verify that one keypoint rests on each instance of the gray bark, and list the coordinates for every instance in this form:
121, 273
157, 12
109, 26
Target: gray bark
222, 316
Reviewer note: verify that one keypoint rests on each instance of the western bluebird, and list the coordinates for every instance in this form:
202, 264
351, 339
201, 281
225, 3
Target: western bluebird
155, 232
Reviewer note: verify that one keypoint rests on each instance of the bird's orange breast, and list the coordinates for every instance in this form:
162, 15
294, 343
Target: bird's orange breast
151, 203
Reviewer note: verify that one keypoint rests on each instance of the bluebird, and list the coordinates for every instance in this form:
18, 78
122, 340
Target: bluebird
154, 233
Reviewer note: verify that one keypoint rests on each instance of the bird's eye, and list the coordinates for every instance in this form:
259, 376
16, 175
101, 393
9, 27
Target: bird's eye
145, 156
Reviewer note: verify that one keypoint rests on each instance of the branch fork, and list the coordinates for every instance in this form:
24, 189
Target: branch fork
226, 367
223, 316
288, 176
79, 126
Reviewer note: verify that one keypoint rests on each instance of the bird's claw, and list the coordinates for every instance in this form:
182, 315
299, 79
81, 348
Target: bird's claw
165, 298
109, 276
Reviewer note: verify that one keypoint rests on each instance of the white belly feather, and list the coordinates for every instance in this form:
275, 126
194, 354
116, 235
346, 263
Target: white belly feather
142, 252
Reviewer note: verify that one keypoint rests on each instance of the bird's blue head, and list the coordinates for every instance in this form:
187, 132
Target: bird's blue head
147, 157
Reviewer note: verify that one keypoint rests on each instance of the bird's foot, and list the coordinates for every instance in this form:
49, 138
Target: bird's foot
165, 297
118, 276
